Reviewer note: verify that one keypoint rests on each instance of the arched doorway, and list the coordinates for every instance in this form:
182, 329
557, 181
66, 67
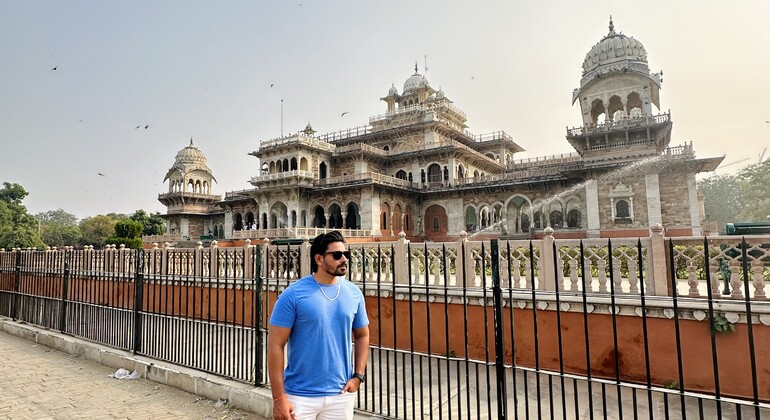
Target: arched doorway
335, 216
353, 217
319, 218
435, 222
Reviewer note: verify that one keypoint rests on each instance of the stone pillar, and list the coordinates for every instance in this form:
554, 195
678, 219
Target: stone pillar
592, 209
652, 185
460, 268
198, 269
248, 261
545, 264
213, 262
304, 258
692, 191
370, 211
401, 259
659, 282
344, 220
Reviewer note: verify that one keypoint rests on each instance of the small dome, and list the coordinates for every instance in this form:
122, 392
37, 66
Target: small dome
190, 154
393, 91
413, 82
439, 94
188, 160
615, 48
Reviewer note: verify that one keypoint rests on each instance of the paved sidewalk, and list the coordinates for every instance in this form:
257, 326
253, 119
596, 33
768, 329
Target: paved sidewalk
42, 383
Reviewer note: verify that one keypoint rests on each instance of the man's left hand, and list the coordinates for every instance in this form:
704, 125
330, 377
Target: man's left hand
351, 386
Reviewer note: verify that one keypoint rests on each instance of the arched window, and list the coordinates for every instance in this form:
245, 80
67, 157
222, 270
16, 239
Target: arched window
557, 219
622, 209
434, 173
597, 111
238, 225
286, 165
525, 223
573, 219
410, 177
322, 170
538, 216
319, 219
422, 175
386, 148
303, 164
446, 173
401, 174
293, 164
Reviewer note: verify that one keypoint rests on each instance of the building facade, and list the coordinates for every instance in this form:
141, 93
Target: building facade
417, 169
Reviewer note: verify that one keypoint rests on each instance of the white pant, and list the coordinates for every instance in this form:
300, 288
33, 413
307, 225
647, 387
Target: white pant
336, 407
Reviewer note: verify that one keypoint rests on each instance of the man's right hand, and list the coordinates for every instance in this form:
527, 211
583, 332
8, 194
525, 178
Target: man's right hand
283, 410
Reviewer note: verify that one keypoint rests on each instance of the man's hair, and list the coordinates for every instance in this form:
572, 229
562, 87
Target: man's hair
321, 244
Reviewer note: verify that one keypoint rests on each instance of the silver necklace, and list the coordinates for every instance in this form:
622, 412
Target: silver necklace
324, 293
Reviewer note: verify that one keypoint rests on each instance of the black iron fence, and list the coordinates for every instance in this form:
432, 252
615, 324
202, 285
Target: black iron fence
450, 339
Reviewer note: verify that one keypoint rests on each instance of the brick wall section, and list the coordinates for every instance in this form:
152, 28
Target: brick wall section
675, 204
639, 188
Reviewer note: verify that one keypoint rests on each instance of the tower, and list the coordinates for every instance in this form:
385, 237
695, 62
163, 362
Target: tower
189, 198
616, 96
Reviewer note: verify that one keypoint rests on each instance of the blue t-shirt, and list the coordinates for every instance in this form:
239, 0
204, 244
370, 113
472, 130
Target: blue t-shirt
320, 342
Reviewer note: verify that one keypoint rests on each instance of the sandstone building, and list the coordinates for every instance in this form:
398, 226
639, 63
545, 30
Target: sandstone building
417, 168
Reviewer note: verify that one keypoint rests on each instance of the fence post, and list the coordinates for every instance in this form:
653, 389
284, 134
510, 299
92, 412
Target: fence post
259, 348
214, 259
659, 281
400, 259
164, 259
497, 298
16, 281
304, 258
198, 269
544, 263
247, 260
459, 260
65, 290
138, 300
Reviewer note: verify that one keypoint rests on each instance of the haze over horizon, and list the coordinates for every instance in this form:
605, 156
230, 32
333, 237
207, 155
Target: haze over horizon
117, 89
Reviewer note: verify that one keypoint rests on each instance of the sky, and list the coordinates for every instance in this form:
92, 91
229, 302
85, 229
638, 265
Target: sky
217, 72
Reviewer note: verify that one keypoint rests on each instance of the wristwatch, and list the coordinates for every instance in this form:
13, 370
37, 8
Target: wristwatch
361, 377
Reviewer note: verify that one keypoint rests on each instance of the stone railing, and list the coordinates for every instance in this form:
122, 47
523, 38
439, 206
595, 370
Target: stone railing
625, 144
345, 134
159, 239
362, 147
546, 160
365, 177
299, 138
621, 124
297, 232
297, 173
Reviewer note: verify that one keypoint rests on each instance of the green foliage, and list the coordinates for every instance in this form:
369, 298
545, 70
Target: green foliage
671, 385
743, 197
152, 224
134, 243
97, 229
128, 229
59, 228
722, 325
18, 229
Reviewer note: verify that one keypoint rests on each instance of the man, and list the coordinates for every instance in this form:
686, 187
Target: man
319, 316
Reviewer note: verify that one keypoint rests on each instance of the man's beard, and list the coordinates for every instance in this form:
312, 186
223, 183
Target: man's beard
340, 271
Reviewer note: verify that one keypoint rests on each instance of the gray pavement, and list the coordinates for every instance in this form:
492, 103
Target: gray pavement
40, 382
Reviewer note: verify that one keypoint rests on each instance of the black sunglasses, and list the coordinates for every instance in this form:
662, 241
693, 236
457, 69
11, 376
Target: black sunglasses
337, 255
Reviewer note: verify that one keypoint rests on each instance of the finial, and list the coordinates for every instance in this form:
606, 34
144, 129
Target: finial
415, 67
612, 26
191, 141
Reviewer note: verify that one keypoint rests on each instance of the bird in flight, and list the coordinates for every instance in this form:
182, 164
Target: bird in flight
343, 114
272, 84
55, 68
146, 127
101, 174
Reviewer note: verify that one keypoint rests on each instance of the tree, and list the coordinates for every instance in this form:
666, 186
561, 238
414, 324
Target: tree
723, 201
755, 186
128, 233
18, 229
59, 228
152, 224
97, 229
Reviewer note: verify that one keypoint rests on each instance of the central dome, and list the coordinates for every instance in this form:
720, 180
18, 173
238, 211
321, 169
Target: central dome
614, 48
191, 154
415, 81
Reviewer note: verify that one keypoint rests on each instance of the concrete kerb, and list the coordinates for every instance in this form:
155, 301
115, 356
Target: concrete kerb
239, 395
242, 396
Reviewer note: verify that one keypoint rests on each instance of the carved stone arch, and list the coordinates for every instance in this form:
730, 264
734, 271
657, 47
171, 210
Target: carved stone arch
352, 215
434, 173
634, 105
385, 217
615, 105
397, 213
335, 215
293, 164
471, 218
303, 164
597, 109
